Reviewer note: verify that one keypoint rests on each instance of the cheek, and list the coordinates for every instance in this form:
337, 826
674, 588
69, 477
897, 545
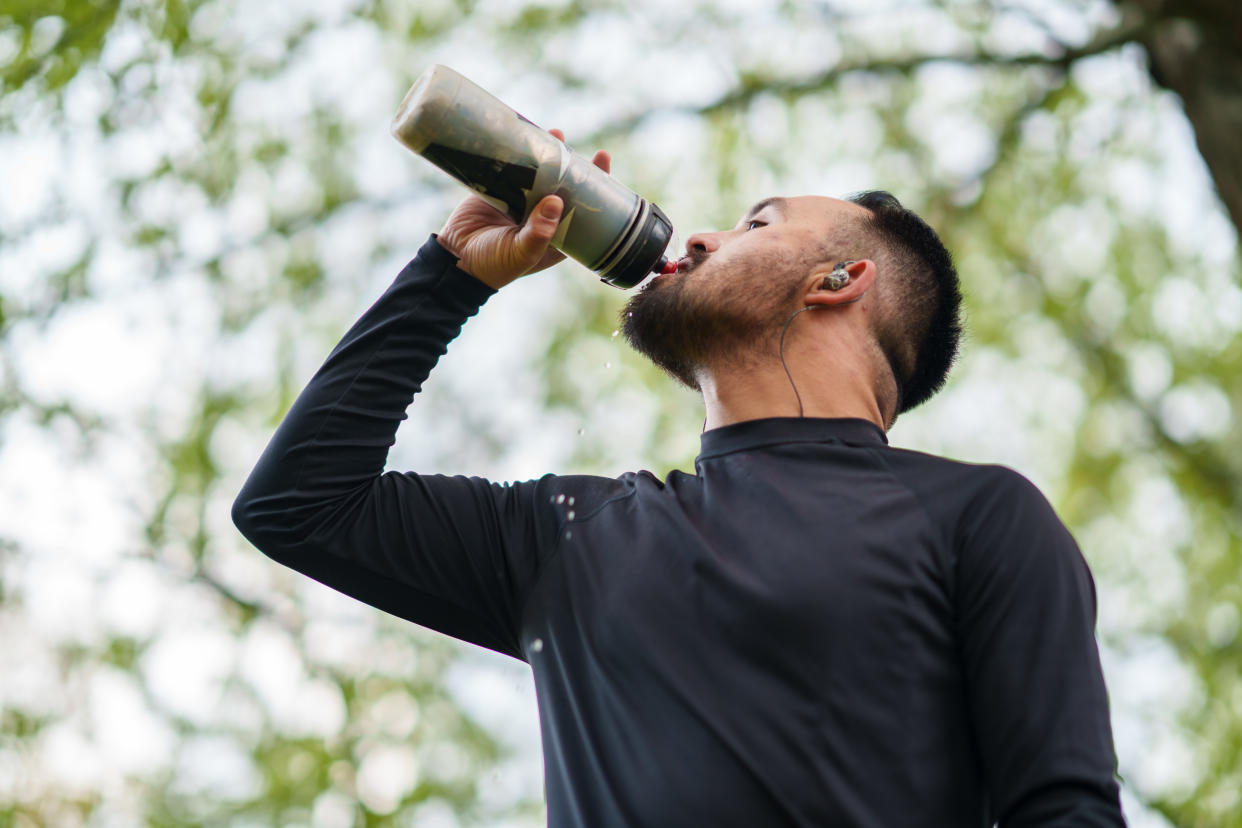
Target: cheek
753, 269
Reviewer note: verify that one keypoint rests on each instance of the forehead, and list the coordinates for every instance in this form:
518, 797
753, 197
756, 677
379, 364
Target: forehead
809, 208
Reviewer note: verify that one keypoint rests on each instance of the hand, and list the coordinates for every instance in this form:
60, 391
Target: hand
493, 248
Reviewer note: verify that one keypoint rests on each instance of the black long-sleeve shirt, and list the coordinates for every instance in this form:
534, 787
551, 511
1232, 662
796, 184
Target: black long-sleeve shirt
814, 629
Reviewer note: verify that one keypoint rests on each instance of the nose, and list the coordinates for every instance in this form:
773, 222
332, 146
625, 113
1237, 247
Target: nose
703, 243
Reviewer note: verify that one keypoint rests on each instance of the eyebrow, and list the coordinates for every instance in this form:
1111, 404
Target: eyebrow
776, 203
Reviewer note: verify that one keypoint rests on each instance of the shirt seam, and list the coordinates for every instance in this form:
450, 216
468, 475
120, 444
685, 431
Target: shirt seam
785, 441
556, 550
943, 536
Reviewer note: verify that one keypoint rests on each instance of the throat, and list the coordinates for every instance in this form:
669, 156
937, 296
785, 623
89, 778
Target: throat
739, 393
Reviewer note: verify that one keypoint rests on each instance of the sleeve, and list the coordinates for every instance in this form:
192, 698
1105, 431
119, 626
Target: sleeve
1026, 616
454, 554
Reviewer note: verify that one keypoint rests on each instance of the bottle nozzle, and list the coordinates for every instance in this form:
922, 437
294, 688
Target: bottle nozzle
664, 266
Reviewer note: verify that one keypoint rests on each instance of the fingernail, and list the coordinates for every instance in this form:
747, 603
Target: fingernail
550, 210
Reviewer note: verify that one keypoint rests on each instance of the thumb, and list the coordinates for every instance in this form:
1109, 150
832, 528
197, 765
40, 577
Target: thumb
533, 237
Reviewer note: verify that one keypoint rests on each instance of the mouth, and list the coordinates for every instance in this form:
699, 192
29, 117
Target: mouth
685, 264
679, 267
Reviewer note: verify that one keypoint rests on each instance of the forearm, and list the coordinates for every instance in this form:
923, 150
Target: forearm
334, 441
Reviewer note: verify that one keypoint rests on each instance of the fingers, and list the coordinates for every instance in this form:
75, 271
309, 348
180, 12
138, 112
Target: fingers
547, 213
602, 159
533, 237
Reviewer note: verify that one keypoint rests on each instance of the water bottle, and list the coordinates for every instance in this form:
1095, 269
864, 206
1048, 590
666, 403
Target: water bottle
512, 164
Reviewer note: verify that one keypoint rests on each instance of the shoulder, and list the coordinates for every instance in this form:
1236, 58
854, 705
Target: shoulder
586, 489
589, 491
1007, 532
1001, 495
982, 508
936, 467
957, 486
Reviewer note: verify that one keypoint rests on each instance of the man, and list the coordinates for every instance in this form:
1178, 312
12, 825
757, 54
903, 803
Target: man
815, 629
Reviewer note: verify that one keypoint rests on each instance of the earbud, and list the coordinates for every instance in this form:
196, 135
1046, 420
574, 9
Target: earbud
838, 278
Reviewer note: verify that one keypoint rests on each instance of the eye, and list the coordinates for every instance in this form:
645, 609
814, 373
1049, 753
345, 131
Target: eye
752, 224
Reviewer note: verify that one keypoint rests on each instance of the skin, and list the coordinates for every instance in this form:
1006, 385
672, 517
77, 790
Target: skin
830, 350
770, 264
496, 251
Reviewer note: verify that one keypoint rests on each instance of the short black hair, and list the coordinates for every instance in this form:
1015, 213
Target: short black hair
928, 300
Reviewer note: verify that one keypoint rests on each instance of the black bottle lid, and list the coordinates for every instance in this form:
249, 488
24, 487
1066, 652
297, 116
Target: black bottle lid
644, 249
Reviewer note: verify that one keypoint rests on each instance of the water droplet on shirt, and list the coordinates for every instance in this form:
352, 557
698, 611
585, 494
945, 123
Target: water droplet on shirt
568, 535
570, 516
536, 646
560, 498
571, 501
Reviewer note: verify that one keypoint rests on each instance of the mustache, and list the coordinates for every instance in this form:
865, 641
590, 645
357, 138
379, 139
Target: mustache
696, 257
685, 265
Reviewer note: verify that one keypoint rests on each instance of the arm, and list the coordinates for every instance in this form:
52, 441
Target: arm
453, 554
1026, 615
436, 551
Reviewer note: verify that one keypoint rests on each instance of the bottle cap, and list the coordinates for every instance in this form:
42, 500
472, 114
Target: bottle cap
643, 248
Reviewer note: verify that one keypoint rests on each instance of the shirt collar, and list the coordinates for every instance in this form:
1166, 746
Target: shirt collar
752, 434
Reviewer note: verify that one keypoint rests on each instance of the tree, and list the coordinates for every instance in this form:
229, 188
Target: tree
1194, 49
200, 195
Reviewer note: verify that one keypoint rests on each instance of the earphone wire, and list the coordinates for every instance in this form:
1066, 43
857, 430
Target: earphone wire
781, 348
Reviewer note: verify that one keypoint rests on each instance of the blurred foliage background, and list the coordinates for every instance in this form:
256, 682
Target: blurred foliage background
199, 195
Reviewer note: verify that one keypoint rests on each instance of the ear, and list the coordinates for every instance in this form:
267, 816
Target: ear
862, 277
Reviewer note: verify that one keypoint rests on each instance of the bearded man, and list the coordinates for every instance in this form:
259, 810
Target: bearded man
814, 629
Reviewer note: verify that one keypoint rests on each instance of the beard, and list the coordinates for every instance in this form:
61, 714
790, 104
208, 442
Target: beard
684, 325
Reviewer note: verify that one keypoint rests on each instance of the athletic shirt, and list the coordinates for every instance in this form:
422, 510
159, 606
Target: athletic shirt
814, 629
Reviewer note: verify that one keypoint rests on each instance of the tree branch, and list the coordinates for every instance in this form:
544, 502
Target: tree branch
1132, 28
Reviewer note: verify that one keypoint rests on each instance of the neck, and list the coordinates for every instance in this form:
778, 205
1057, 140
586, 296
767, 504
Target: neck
834, 378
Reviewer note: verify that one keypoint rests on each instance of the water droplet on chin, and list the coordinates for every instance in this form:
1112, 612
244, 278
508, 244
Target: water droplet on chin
614, 333
536, 646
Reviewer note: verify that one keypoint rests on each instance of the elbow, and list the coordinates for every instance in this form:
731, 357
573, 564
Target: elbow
246, 517
260, 523
243, 515
284, 525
